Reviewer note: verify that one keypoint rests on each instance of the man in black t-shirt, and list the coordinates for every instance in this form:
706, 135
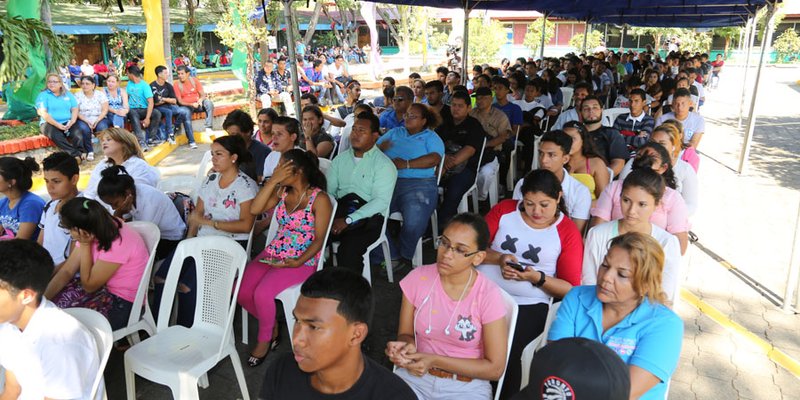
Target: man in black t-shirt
434, 92
166, 102
608, 141
463, 139
332, 317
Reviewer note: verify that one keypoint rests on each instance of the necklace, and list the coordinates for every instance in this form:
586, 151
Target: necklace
455, 310
300, 201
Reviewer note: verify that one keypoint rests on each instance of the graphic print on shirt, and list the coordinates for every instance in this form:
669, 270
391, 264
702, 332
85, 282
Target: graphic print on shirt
230, 201
532, 254
510, 244
467, 329
622, 346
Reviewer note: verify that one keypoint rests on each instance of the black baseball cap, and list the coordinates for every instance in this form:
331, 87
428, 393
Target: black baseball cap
483, 91
577, 369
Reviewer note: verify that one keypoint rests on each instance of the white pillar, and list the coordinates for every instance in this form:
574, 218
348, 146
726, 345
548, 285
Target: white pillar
794, 267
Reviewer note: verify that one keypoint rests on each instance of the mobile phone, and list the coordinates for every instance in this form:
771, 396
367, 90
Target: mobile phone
516, 266
269, 261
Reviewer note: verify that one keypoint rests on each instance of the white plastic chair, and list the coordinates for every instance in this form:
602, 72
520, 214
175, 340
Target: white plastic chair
537, 141
512, 162
333, 151
611, 114
177, 356
202, 170
98, 325
141, 318
185, 184
512, 311
566, 93
463, 205
382, 241
536, 344
344, 138
324, 164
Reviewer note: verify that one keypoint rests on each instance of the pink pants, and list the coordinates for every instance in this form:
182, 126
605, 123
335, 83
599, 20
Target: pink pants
261, 283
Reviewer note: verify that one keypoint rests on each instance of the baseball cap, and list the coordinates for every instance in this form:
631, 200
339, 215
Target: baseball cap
483, 91
577, 369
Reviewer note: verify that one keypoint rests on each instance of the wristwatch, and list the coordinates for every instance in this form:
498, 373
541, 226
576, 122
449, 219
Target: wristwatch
348, 220
541, 280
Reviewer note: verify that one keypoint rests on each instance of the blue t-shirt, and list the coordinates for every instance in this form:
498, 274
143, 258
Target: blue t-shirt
59, 107
409, 147
649, 337
138, 93
512, 111
389, 120
28, 209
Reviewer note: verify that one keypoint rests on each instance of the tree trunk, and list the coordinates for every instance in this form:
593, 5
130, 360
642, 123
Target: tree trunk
47, 18
312, 23
167, 35
727, 44
251, 89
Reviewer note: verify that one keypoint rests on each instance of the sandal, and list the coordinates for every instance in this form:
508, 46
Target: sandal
254, 361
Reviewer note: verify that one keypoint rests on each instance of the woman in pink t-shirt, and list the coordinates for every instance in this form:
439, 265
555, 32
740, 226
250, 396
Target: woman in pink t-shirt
671, 213
110, 256
453, 334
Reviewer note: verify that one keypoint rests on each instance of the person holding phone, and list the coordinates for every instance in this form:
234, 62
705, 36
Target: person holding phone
536, 253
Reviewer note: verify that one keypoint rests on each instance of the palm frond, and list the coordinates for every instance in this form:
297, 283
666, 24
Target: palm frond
20, 39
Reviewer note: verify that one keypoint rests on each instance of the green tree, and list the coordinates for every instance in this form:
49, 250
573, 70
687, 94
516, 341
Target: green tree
728, 33
694, 42
19, 36
125, 45
485, 41
787, 45
595, 39
533, 37
657, 35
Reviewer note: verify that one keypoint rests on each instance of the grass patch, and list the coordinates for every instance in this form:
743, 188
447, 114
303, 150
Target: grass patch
18, 132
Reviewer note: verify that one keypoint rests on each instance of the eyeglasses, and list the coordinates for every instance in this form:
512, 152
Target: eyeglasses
444, 246
397, 99
53, 81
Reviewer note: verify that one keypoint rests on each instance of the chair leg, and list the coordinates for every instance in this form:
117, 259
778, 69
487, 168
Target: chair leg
237, 369
494, 192
187, 388
387, 256
366, 272
417, 261
245, 330
130, 382
202, 381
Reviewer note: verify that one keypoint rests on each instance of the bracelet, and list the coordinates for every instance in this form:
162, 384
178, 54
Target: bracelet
215, 225
408, 166
541, 280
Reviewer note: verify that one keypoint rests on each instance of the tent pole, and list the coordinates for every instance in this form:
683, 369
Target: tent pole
544, 27
750, 41
287, 4
794, 267
586, 34
465, 45
751, 123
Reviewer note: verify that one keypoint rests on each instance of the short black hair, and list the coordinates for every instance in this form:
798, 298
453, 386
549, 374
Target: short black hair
463, 95
159, 69
115, 182
442, 70
24, 265
135, 71
477, 223
560, 138
435, 84
241, 119
374, 121
350, 289
591, 97
310, 97
12, 168
414, 75
501, 81
390, 80
682, 92
389, 92
63, 163
271, 113
638, 92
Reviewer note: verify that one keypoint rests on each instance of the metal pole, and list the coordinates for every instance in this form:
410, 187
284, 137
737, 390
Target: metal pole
794, 266
751, 35
465, 45
287, 4
751, 123
544, 28
586, 35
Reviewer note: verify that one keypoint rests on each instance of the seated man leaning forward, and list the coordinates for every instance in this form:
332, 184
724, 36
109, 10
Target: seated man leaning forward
46, 353
332, 319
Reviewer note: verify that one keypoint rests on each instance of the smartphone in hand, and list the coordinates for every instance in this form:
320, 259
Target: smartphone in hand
516, 266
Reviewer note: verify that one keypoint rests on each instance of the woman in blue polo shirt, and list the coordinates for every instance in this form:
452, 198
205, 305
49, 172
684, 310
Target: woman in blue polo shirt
626, 311
58, 110
416, 151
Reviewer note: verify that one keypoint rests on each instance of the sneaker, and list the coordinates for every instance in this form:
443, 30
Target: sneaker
90, 156
209, 130
193, 145
145, 149
171, 139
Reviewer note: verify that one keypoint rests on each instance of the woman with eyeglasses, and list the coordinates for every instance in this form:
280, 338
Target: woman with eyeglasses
416, 151
452, 337
58, 111
536, 254
92, 111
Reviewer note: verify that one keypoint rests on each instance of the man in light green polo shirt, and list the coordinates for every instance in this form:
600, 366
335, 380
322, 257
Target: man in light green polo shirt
362, 179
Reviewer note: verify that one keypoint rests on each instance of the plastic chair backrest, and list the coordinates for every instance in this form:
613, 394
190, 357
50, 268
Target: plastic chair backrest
439, 171
202, 171
98, 325
512, 311
151, 236
344, 139
567, 93
333, 151
480, 158
551, 316
324, 165
219, 262
183, 184
611, 114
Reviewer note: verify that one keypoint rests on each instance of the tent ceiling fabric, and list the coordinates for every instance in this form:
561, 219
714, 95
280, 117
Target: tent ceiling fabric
662, 13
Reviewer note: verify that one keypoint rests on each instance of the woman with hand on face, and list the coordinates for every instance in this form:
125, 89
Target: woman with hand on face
302, 211
626, 312
452, 337
318, 142
642, 191
535, 255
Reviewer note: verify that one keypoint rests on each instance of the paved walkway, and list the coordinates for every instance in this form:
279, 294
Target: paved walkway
746, 220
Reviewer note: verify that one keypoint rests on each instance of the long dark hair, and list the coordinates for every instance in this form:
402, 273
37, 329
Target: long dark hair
115, 182
309, 164
21, 171
588, 148
235, 145
90, 216
546, 182
648, 180
645, 160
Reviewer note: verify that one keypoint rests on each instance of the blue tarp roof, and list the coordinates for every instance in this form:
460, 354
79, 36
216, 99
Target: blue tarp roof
664, 13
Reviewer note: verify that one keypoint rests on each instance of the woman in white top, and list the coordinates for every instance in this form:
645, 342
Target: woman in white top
685, 176
122, 148
641, 192
92, 111
137, 202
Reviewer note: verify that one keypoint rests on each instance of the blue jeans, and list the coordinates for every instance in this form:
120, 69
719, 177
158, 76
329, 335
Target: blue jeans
208, 108
454, 188
115, 120
182, 116
86, 133
415, 199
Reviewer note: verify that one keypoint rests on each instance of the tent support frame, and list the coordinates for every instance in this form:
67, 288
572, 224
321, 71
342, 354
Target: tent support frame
287, 15
750, 35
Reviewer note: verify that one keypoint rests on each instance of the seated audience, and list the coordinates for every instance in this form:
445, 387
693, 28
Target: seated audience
317, 141
535, 255
694, 125
189, 93
608, 141
104, 271
120, 148
302, 211
580, 92
240, 123
20, 209
92, 111
61, 174
362, 180
341, 303
635, 126
455, 351
142, 112
166, 102
627, 307
434, 93
641, 193
687, 153
264, 119
416, 151
117, 102
353, 94
58, 110
670, 214
396, 115
46, 353
585, 164
285, 134
384, 102
496, 124
418, 86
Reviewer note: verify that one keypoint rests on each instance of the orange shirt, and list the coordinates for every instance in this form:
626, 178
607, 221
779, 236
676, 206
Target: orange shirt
186, 92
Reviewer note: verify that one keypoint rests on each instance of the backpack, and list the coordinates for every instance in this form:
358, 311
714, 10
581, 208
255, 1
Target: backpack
184, 204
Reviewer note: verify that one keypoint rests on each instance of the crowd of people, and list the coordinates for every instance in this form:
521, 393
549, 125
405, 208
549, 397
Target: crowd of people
598, 219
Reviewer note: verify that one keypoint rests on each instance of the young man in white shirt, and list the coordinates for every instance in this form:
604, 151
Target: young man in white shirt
61, 174
694, 125
46, 353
